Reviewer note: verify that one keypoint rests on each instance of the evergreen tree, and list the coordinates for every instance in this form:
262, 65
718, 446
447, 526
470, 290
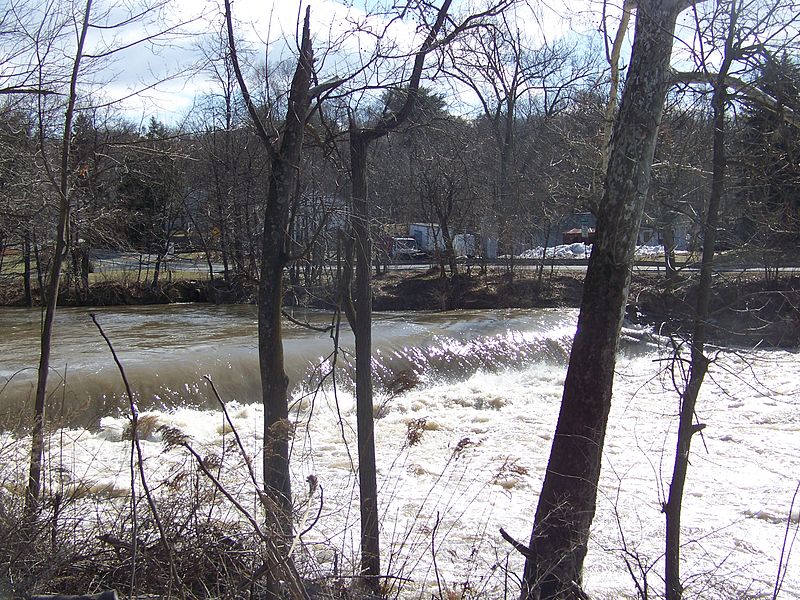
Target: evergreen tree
771, 158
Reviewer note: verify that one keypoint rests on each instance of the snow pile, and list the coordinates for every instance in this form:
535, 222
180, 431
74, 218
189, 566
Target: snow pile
649, 251
564, 251
580, 250
654, 251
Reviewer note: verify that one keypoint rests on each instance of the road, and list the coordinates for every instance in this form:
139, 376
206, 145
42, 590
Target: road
105, 261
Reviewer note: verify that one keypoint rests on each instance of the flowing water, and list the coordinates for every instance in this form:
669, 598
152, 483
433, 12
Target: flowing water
466, 404
167, 351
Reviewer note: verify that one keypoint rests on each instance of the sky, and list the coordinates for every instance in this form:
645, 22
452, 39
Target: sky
163, 76
269, 31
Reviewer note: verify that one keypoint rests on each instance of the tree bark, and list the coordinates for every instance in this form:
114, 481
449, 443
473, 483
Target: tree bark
567, 503
613, 61
26, 258
285, 164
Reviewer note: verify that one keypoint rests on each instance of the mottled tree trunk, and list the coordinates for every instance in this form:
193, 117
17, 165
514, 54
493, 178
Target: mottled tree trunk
285, 165
613, 59
567, 503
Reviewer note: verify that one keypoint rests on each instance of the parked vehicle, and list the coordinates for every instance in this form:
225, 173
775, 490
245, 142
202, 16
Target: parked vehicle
406, 248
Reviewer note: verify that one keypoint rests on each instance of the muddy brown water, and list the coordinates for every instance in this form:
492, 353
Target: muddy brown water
168, 350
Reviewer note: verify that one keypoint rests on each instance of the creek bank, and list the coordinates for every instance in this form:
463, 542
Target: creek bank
746, 308
111, 293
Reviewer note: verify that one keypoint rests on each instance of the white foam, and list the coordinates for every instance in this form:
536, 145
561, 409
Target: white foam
480, 459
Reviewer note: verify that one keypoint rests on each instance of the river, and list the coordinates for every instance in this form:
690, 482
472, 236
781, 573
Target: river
480, 392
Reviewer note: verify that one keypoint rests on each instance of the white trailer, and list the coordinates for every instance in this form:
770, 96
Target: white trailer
465, 244
427, 235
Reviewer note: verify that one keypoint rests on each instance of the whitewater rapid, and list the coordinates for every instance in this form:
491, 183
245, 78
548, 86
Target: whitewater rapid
483, 407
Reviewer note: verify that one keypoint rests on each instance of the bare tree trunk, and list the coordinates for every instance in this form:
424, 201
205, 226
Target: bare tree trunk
203, 241
223, 249
362, 329
37, 430
85, 267
26, 258
38, 260
544, 253
447, 240
699, 362
285, 162
157, 270
566, 507
613, 60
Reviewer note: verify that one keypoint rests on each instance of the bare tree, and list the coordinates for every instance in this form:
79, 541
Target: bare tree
22, 211
740, 32
285, 153
439, 30
229, 169
503, 67
358, 305
53, 56
699, 362
63, 188
558, 544
442, 182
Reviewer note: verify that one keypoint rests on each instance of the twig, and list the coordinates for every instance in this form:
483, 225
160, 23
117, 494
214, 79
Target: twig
297, 590
228, 420
319, 514
313, 484
10, 377
306, 324
140, 458
783, 563
433, 554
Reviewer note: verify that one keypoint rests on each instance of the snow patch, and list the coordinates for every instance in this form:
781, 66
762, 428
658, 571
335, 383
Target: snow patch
580, 250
